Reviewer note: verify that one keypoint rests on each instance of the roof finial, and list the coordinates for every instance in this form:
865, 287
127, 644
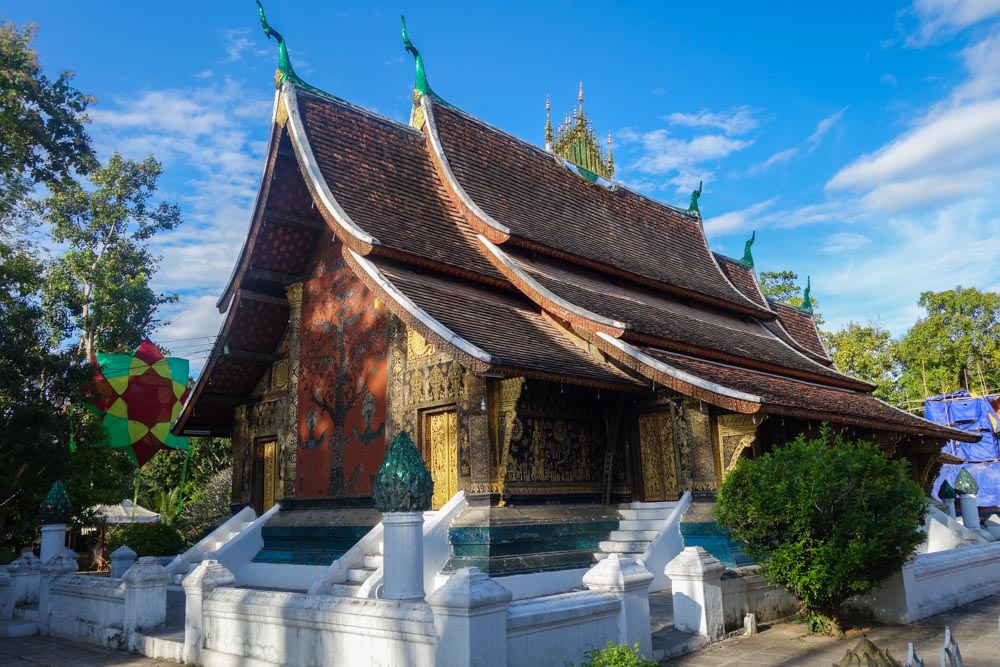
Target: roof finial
285, 71
747, 260
580, 96
548, 124
807, 304
695, 195
420, 82
611, 157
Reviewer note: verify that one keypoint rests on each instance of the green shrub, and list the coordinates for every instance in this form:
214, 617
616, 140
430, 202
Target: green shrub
826, 518
147, 539
615, 655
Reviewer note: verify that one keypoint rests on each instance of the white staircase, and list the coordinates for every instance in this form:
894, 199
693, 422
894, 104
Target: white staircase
353, 586
640, 525
186, 562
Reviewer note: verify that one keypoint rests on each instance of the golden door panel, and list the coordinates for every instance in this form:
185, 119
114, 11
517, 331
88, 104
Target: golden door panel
656, 451
269, 470
441, 446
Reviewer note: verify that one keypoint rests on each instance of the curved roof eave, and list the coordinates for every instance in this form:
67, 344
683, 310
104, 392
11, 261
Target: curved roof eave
678, 380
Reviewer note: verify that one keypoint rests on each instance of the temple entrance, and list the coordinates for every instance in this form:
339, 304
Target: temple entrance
656, 457
266, 482
440, 449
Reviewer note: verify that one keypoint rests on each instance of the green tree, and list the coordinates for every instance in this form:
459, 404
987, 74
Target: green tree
99, 289
868, 353
826, 518
42, 135
955, 345
783, 286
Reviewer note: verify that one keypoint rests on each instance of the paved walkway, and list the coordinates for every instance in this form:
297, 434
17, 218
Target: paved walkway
974, 627
52, 652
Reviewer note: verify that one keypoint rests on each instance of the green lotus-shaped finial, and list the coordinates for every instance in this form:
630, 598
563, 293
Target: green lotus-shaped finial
403, 483
56, 507
947, 491
966, 484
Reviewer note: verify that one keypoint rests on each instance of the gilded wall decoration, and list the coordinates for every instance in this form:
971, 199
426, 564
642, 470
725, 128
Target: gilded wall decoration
657, 456
343, 379
737, 433
693, 434
417, 346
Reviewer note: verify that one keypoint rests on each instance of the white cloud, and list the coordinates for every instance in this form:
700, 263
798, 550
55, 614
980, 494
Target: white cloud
237, 42
944, 17
780, 157
890, 79
734, 122
741, 220
824, 126
982, 60
844, 242
194, 323
682, 160
957, 139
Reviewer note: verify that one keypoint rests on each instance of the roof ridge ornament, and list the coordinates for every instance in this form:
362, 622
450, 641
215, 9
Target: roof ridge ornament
807, 304
420, 84
285, 72
747, 260
695, 196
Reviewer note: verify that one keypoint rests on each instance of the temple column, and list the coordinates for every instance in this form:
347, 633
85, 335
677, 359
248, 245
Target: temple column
289, 447
480, 451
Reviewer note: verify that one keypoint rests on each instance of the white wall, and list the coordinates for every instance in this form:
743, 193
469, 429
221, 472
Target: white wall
88, 608
552, 630
747, 591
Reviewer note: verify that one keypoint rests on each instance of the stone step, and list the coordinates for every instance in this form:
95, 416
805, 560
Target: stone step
373, 561
359, 574
667, 505
644, 514
623, 547
633, 535
345, 589
641, 524
18, 628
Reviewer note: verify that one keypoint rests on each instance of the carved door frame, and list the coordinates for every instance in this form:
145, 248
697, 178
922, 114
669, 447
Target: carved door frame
264, 491
447, 471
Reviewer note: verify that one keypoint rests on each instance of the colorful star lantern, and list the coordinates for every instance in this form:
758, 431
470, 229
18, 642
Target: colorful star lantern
140, 397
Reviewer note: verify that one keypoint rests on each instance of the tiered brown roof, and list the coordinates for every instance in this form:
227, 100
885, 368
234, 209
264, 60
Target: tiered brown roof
496, 252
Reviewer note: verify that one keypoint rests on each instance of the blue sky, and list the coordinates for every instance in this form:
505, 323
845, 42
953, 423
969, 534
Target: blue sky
861, 140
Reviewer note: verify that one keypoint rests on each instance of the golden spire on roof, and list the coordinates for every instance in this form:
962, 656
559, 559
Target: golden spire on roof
548, 124
577, 142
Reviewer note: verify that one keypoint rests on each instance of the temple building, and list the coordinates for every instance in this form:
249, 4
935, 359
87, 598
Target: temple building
554, 342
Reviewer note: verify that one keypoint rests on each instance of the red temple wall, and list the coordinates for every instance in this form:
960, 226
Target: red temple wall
342, 382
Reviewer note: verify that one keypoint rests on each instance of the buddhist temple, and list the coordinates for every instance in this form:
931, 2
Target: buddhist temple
555, 343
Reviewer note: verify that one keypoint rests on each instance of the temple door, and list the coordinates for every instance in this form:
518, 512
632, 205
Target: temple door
266, 474
657, 458
441, 453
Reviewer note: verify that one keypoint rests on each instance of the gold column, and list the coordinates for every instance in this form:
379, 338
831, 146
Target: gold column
290, 443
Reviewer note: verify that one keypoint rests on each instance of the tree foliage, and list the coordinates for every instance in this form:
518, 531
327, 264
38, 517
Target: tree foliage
783, 286
955, 345
99, 289
826, 518
44, 147
867, 353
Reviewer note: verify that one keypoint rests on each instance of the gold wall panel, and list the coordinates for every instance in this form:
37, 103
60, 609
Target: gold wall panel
269, 459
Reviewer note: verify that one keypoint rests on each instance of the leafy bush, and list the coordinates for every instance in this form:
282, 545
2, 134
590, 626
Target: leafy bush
147, 539
615, 655
826, 518
210, 505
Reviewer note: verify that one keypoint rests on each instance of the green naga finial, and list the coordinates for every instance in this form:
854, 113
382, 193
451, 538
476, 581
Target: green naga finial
693, 208
285, 71
420, 82
807, 304
747, 260
403, 483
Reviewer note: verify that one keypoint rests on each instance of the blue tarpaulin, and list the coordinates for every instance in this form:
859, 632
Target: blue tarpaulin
963, 411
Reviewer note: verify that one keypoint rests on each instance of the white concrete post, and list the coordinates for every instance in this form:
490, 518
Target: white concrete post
629, 582
145, 597
24, 576
949, 504
403, 554
53, 540
695, 578
470, 621
121, 559
205, 578
970, 511
62, 563
6, 597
